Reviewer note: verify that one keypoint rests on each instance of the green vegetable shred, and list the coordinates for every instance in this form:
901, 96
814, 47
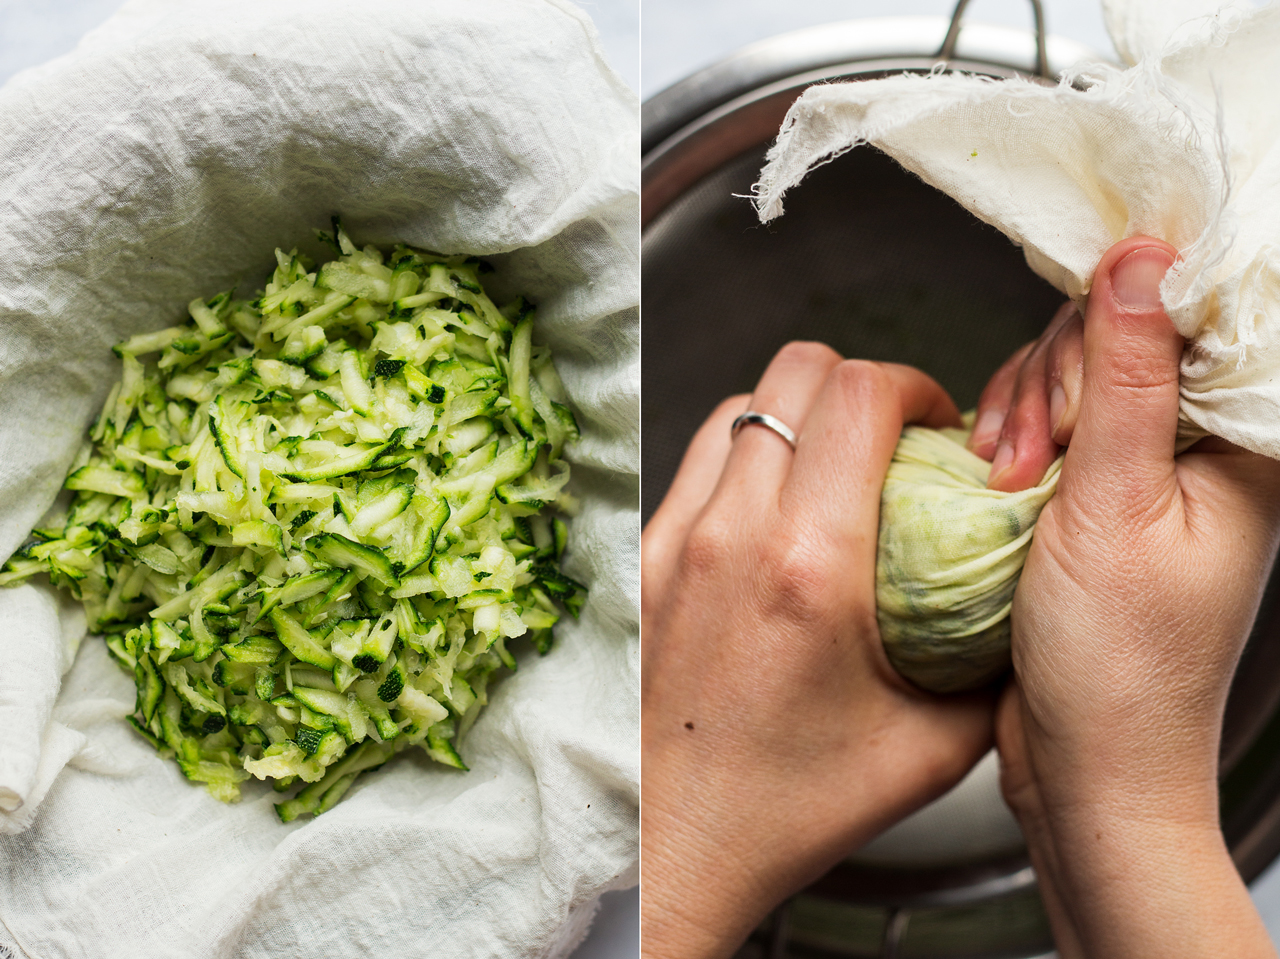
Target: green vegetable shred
309, 524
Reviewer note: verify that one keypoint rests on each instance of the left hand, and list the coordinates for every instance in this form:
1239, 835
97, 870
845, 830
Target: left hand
777, 737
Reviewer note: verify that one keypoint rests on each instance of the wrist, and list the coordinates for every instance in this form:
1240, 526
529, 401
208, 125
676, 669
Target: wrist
1123, 876
1108, 765
720, 849
701, 898
1135, 888
1105, 789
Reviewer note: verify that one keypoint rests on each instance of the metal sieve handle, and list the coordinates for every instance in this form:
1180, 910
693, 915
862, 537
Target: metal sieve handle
948, 50
895, 926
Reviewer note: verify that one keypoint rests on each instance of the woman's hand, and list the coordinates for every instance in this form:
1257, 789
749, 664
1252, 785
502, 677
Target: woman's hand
1027, 413
1138, 594
777, 737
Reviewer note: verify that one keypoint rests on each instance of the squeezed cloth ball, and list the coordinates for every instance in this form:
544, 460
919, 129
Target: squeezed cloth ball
950, 554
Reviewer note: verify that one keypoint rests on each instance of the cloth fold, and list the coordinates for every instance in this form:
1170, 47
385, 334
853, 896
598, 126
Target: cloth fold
165, 159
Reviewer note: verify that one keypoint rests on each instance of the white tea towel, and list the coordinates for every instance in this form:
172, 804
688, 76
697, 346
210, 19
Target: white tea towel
1183, 145
165, 159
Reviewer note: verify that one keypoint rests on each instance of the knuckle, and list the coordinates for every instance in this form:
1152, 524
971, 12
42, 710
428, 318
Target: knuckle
1140, 375
860, 379
784, 572
1032, 375
1029, 415
865, 388
795, 579
731, 407
707, 548
805, 353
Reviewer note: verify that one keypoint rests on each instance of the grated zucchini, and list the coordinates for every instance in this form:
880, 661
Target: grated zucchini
309, 524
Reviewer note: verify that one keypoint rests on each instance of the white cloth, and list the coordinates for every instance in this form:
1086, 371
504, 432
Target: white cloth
165, 159
1183, 146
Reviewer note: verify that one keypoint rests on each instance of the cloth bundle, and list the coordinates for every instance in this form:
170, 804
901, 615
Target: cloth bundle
165, 159
948, 559
1183, 145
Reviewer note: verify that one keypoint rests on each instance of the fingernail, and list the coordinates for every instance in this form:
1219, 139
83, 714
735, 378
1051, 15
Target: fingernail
1135, 280
1003, 460
987, 428
1057, 407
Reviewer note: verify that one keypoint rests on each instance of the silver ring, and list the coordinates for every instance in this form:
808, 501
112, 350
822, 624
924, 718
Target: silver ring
750, 417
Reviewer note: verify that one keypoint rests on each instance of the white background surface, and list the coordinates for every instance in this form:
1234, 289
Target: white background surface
681, 36
33, 32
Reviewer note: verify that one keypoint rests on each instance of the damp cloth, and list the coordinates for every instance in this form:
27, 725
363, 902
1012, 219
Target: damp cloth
949, 555
1182, 144
165, 159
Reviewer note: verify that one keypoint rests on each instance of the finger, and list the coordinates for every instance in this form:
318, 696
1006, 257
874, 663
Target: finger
924, 401
1026, 446
1066, 379
1124, 435
759, 459
696, 479
993, 405
844, 451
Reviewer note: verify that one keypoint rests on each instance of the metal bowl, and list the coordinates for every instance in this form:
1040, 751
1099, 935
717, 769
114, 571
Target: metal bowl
876, 263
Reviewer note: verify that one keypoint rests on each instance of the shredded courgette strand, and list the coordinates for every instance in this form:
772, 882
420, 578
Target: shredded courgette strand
309, 524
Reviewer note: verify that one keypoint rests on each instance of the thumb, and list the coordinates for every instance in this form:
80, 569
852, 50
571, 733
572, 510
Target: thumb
1125, 433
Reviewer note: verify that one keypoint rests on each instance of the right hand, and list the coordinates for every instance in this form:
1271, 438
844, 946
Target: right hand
1138, 594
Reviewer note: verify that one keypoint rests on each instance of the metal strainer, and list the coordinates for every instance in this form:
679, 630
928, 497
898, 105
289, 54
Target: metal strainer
879, 265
